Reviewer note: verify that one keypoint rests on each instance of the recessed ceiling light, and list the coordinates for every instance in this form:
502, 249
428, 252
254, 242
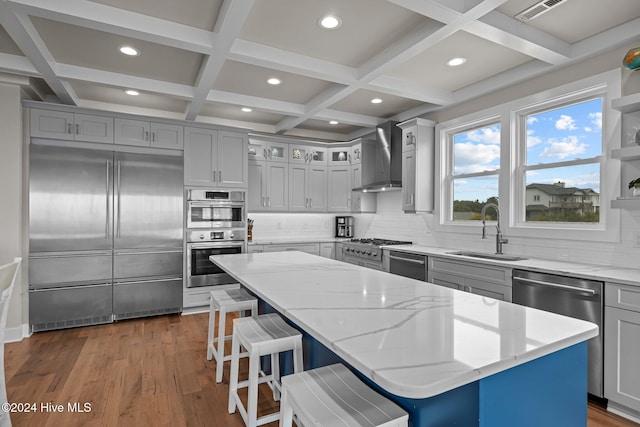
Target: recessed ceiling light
330, 22
128, 50
454, 62
274, 81
334, 122
376, 101
132, 92
247, 109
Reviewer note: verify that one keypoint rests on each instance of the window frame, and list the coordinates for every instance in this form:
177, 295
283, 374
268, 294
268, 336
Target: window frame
513, 148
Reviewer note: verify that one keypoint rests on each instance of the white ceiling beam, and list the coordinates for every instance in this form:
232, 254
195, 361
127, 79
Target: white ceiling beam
17, 65
230, 22
484, 22
270, 57
405, 89
264, 104
617, 36
349, 118
108, 78
21, 29
520, 37
317, 104
118, 21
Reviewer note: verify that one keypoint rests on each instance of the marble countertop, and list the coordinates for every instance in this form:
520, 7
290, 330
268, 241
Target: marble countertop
629, 276
412, 338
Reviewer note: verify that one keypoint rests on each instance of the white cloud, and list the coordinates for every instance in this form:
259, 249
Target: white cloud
565, 123
532, 140
471, 157
562, 148
596, 119
531, 120
488, 135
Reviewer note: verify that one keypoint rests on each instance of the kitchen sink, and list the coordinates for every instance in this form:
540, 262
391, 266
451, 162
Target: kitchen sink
500, 257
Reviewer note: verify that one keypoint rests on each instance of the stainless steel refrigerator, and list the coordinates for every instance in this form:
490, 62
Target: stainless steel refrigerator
105, 235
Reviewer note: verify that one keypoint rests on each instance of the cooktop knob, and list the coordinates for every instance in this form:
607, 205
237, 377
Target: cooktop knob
202, 237
368, 252
375, 253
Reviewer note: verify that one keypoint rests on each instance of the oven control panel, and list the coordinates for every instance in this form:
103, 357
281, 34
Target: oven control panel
233, 234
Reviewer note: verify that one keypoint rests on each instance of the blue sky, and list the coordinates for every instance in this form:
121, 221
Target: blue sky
567, 133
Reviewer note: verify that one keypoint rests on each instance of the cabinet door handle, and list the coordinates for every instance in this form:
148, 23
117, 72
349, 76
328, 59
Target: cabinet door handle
214, 176
69, 128
268, 201
219, 176
262, 203
153, 137
310, 202
349, 158
146, 135
264, 153
349, 202
77, 129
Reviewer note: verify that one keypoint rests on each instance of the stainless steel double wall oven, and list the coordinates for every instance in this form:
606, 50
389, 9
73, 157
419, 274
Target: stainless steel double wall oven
216, 225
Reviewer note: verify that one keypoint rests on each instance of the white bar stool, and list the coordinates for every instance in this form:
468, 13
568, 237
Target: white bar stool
333, 396
260, 336
226, 301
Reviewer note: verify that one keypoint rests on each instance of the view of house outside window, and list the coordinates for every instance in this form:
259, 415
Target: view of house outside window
476, 167
562, 170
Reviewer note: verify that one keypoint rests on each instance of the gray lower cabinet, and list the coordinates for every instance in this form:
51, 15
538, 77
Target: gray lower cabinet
481, 279
622, 347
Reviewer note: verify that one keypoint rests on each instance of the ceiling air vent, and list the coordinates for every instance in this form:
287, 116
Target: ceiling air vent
538, 9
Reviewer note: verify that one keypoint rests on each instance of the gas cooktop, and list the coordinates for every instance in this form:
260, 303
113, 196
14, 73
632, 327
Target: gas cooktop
379, 242
368, 248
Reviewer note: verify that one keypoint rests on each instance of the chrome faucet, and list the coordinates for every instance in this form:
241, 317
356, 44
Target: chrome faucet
499, 239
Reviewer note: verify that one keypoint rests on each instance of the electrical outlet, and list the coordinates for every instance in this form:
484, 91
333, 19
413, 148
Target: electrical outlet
636, 240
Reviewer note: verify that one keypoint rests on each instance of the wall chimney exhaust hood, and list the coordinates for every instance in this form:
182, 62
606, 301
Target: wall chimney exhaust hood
382, 160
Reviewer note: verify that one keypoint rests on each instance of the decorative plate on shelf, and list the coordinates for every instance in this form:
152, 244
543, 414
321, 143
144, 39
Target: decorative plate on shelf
296, 154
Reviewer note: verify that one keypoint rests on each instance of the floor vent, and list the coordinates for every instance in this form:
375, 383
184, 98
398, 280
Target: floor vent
538, 9
50, 326
146, 313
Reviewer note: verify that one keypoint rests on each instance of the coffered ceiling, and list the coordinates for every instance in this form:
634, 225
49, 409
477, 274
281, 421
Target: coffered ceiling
204, 60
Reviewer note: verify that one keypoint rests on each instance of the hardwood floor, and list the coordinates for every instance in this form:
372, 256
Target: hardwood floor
140, 372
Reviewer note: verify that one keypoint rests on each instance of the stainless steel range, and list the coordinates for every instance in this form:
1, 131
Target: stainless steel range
367, 252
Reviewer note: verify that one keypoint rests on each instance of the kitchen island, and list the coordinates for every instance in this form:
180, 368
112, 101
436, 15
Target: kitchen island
445, 356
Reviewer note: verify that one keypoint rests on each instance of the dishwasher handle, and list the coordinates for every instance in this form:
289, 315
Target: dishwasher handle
415, 261
568, 288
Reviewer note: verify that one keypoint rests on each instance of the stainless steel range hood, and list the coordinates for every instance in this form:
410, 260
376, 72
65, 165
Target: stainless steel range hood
382, 160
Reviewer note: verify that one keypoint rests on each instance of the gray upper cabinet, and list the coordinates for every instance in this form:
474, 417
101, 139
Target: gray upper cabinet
339, 191
307, 188
71, 126
215, 158
148, 134
418, 165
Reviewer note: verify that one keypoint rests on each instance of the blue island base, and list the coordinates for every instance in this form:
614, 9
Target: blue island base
548, 391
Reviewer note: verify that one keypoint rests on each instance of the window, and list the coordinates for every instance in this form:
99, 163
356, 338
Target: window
475, 171
543, 157
561, 162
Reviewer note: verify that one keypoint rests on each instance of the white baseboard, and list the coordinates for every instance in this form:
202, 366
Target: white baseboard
17, 333
615, 409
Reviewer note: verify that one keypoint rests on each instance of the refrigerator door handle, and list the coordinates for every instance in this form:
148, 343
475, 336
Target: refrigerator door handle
62, 288
108, 214
118, 199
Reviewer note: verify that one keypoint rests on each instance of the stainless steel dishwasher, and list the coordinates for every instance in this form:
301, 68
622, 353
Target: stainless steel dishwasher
408, 265
569, 296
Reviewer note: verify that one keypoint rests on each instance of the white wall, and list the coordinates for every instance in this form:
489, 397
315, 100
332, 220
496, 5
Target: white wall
11, 200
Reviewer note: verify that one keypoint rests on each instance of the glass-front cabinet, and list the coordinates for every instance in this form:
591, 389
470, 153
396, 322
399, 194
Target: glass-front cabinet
264, 150
306, 154
339, 156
